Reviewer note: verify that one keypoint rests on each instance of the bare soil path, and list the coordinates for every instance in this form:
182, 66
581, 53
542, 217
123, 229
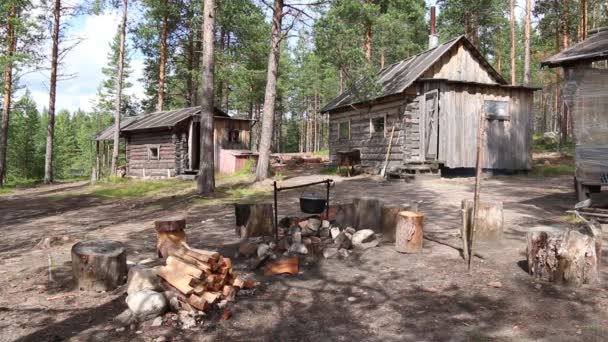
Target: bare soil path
377, 295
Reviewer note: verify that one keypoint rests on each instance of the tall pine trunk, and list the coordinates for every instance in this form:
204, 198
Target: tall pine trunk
206, 173
512, 22
584, 18
271, 91
8, 91
119, 80
367, 43
527, 43
163, 58
50, 130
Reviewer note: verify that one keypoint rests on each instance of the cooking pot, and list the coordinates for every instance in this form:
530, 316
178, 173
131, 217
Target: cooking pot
312, 203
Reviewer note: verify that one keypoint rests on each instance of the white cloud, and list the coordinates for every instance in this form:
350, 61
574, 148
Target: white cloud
85, 63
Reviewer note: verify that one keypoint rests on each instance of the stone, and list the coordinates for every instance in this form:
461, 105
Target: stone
121, 329
350, 230
330, 252
345, 253
248, 249
307, 241
142, 278
314, 224
161, 339
364, 239
351, 299
297, 237
325, 224
125, 318
343, 241
334, 231
299, 248
324, 233
263, 249
147, 304
303, 224
157, 322
187, 320
283, 244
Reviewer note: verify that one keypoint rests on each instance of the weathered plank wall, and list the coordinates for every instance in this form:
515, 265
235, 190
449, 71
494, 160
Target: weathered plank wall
373, 146
138, 163
508, 143
459, 65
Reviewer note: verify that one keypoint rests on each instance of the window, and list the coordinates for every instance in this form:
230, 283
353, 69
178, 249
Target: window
233, 136
153, 152
344, 130
377, 125
497, 110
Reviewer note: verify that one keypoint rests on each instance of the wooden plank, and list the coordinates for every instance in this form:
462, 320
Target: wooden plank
179, 265
177, 279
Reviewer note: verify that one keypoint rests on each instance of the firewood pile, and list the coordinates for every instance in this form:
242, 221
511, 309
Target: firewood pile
200, 278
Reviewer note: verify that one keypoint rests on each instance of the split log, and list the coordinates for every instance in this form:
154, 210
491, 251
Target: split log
181, 266
345, 214
288, 266
175, 278
99, 265
254, 219
570, 257
409, 232
367, 214
169, 235
389, 220
489, 220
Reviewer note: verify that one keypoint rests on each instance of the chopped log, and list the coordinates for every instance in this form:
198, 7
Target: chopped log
368, 214
229, 292
389, 219
345, 214
205, 255
409, 234
177, 279
198, 302
178, 265
570, 257
99, 265
183, 254
489, 219
254, 219
169, 235
238, 282
285, 266
212, 297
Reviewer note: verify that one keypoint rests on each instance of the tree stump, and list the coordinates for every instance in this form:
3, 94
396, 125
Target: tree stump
367, 214
254, 219
571, 256
345, 214
170, 235
489, 220
389, 219
409, 232
99, 265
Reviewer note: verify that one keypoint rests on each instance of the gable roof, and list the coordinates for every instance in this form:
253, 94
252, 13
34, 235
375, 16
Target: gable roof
594, 48
395, 78
162, 119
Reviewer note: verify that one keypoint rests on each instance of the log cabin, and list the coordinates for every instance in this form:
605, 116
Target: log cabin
431, 104
166, 144
585, 96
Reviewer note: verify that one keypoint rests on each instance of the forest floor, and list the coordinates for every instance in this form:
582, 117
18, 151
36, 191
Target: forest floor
376, 295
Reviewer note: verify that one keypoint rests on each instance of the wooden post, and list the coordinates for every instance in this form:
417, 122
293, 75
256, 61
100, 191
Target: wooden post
170, 235
99, 265
409, 233
478, 169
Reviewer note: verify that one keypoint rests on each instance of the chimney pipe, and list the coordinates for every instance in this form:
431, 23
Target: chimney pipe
433, 38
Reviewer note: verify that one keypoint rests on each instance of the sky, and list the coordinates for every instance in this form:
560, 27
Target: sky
89, 57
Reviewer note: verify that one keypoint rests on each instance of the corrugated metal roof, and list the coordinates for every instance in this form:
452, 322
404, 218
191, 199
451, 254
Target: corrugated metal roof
167, 118
108, 132
395, 78
594, 48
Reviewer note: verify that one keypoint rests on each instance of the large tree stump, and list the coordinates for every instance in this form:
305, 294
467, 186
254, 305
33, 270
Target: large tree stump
367, 214
99, 265
389, 219
409, 233
254, 219
489, 220
345, 214
567, 256
170, 235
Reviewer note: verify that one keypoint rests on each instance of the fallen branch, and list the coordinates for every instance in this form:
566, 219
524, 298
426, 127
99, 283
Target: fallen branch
477, 254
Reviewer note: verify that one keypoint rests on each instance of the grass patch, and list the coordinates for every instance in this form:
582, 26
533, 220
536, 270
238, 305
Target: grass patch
334, 170
13, 183
542, 170
542, 144
322, 153
125, 188
229, 194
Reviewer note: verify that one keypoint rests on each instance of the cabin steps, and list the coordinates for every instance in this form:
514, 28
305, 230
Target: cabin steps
413, 169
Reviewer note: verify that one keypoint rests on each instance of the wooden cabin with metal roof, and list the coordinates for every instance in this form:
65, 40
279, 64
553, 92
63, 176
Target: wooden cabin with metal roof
167, 143
432, 103
585, 95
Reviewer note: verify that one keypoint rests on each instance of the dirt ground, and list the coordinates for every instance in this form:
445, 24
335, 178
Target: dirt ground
377, 295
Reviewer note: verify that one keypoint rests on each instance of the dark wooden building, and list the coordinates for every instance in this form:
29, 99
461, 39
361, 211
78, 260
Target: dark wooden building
433, 101
167, 144
585, 95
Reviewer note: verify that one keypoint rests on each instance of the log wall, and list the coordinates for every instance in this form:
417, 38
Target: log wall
138, 163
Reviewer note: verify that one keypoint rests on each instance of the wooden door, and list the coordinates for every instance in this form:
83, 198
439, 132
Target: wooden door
431, 124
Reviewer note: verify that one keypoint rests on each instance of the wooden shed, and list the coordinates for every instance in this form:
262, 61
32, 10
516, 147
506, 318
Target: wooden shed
585, 95
167, 143
433, 101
